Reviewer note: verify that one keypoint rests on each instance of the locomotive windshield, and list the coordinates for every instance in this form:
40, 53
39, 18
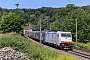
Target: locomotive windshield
65, 35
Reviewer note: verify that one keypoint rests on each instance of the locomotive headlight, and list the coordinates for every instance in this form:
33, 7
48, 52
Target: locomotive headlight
62, 41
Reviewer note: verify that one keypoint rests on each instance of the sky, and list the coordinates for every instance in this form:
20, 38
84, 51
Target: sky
34, 4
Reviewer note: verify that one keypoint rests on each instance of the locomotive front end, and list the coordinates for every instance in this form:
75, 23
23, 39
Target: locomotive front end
66, 40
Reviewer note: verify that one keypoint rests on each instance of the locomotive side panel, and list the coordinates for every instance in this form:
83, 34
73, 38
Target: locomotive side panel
51, 37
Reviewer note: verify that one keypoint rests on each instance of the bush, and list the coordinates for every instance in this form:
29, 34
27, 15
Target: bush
11, 23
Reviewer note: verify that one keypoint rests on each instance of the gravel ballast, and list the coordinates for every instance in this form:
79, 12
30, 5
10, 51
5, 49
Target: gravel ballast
8, 53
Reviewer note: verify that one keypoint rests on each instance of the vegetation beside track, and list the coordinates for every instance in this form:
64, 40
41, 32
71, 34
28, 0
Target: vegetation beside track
83, 45
32, 50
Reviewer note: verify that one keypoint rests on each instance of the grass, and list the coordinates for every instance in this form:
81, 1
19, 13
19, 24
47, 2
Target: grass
83, 45
32, 50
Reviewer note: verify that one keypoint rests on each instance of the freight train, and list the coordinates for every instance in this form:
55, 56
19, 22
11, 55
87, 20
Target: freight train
60, 39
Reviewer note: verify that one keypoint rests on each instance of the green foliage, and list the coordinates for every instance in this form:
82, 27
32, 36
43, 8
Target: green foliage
83, 45
12, 23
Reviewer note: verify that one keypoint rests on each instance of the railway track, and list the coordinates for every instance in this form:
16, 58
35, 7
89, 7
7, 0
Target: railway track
79, 52
82, 54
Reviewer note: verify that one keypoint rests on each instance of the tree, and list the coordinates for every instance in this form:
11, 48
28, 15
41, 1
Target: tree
83, 24
12, 23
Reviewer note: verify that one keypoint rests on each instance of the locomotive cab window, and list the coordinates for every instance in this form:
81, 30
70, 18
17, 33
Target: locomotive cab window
65, 34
